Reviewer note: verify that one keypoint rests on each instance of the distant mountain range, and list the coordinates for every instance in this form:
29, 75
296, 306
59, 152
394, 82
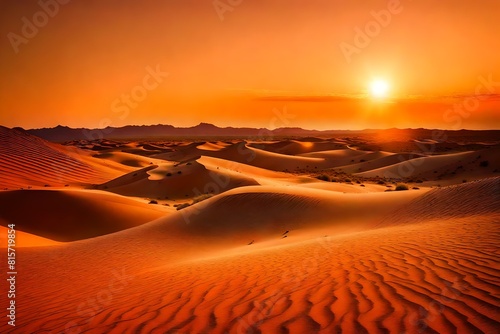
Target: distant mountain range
64, 133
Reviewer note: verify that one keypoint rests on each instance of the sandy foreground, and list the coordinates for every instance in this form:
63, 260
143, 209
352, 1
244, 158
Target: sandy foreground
261, 246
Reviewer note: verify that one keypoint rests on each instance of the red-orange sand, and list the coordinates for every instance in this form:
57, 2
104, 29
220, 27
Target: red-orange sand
269, 252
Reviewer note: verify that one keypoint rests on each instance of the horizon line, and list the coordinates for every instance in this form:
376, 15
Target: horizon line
245, 127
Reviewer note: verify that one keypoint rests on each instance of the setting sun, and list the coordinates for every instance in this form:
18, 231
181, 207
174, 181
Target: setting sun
379, 88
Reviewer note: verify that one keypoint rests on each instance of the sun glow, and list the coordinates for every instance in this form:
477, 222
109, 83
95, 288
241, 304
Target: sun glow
379, 88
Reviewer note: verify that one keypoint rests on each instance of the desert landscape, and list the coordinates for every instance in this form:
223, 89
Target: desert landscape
249, 167
255, 235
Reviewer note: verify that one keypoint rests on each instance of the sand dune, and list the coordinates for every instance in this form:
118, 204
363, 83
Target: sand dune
378, 162
242, 153
66, 215
349, 188
211, 146
351, 159
342, 154
479, 198
261, 175
127, 159
30, 161
146, 149
416, 166
295, 147
433, 276
170, 181
230, 221
287, 208
367, 164
447, 166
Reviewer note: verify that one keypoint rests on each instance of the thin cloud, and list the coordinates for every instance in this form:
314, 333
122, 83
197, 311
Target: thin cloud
290, 96
310, 98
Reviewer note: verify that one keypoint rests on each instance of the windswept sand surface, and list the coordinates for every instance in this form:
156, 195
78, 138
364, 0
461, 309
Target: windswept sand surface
268, 249
30, 161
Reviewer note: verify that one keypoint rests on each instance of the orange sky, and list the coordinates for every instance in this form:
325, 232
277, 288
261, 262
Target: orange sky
241, 64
